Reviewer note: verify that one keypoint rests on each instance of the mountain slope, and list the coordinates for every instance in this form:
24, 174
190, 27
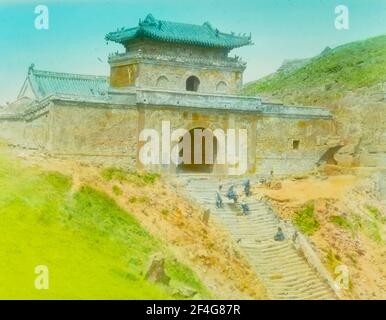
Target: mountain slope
328, 76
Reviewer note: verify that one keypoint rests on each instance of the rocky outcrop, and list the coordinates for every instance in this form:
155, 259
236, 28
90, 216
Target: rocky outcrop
291, 65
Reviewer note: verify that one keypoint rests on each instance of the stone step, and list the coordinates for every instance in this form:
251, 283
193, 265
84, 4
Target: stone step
299, 294
286, 273
289, 259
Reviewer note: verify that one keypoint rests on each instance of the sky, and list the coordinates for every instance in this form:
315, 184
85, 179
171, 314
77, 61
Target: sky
74, 41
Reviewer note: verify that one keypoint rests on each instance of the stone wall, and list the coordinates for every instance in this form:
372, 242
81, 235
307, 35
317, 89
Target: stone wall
211, 80
290, 145
98, 133
124, 76
26, 134
12, 132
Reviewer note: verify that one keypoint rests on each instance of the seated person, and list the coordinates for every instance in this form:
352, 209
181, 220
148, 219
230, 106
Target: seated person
279, 236
231, 194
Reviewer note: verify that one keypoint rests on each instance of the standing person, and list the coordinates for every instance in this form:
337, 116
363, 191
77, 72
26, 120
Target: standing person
244, 206
218, 200
247, 187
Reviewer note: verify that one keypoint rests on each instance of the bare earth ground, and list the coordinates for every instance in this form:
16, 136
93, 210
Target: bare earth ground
163, 212
349, 196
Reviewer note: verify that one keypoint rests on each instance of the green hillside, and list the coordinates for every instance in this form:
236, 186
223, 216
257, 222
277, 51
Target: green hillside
329, 76
92, 248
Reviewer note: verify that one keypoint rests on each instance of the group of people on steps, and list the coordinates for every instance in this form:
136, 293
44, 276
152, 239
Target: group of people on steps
232, 194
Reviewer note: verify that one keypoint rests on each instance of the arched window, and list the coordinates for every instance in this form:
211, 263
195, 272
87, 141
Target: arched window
162, 82
192, 83
221, 86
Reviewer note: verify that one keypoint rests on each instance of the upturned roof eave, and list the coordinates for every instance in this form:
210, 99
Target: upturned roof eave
151, 31
126, 40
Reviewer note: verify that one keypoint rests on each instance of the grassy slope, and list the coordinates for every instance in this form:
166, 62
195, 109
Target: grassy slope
329, 76
93, 249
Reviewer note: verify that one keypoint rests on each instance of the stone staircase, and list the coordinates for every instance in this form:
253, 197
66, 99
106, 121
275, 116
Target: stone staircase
285, 273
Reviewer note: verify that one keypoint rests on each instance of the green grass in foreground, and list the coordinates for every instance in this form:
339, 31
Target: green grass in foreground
371, 225
92, 248
305, 220
342, 222
140, 179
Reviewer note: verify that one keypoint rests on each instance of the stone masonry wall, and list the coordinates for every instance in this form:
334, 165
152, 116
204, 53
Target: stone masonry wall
101, 134
288, 145
12, 132
170, 77
27, 134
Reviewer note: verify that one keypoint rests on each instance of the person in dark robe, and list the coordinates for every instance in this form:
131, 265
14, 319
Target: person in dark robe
244, 206
218, 200
279, 236
247, 187
231, 194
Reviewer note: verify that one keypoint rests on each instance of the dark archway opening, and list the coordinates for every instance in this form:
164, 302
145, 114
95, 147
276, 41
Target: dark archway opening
192, 83
328, 156
200, 148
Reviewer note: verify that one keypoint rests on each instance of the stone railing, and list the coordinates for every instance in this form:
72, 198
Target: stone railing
294, 111
303, 245
225, 102
197, 100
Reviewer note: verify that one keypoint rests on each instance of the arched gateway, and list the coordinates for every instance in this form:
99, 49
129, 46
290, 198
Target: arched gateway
199, 152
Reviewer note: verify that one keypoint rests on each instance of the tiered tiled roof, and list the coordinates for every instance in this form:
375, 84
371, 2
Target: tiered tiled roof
166, 31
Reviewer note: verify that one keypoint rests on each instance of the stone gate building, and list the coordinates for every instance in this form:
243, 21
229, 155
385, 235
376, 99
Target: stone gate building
169, 71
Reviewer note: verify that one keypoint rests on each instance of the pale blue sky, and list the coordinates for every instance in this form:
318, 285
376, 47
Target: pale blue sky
281, 29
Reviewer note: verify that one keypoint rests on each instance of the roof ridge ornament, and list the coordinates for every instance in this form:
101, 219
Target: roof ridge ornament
207, 24
150, 20
31, 68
